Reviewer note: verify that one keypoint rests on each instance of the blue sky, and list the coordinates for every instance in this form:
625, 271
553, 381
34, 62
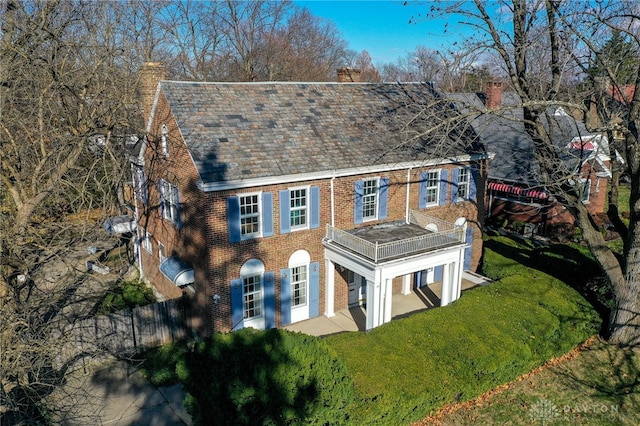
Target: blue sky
382, 27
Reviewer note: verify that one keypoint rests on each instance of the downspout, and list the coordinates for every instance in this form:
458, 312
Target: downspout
136, 214
332, 203
406, 212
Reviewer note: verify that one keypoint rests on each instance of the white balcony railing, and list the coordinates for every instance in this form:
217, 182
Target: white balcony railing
442, 234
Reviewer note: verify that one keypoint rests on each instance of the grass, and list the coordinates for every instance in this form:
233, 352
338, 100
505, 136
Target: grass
408, 368
598, 385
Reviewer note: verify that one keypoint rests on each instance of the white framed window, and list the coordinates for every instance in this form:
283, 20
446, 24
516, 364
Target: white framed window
299, 286
252, 294
248, 296
370, 199
586, 190
299, 208
463, 183
163, 140
140, 184
170, 201
432, 189
250, 226
161, 253
146, 241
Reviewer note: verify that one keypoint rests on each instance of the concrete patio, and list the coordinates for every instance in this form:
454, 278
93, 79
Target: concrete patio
354, 319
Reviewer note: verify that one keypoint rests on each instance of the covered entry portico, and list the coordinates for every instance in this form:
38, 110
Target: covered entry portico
383, 252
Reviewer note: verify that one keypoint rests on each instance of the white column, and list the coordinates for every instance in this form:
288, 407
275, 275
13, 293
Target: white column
406, 284
373, 305
330, 283
387, 295
459, 267
446, 285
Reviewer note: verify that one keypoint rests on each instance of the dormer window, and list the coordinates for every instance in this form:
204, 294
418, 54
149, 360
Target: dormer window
163, 140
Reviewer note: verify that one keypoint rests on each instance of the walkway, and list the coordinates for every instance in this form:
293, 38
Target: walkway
354, 319
114, 393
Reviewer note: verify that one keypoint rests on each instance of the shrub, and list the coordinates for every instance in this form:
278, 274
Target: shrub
258, 377
127, 294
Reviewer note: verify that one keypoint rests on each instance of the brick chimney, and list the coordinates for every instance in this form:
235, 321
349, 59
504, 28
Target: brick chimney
493, 91
348, 75
150, 76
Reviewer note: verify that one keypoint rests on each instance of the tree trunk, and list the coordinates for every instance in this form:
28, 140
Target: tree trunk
625, 316
624, 320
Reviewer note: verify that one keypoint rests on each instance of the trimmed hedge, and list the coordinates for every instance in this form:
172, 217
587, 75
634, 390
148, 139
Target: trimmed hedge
259, 378
408, 368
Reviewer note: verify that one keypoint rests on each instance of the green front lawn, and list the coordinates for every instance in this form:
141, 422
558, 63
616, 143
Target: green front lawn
596, 386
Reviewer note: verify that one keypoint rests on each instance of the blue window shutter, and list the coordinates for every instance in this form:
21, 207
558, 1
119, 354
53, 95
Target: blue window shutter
285, 296
472, 183
267, 214
314, 207
383, 198
422, 200
314, 289
437, 273
357, 205
285, 212
444, 186
237, 305
454, 185
233, 219
468, 251
269, 300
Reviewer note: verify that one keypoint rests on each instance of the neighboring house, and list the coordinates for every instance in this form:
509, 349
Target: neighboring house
514, 191
271, 203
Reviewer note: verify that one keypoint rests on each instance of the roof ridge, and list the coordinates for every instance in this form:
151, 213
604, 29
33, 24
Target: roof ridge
257, 83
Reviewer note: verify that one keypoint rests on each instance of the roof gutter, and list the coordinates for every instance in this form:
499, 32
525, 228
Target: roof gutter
329, 174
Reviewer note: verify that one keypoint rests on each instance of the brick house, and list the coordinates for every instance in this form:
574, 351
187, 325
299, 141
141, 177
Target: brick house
514, 193
266, 204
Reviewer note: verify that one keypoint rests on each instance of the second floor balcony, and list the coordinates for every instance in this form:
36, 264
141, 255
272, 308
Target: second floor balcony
395, 240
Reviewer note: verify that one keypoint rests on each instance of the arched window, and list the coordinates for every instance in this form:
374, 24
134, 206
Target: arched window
252, 273
299, 283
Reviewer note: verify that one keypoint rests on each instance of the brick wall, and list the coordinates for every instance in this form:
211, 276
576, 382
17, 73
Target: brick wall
226, 259
188, 240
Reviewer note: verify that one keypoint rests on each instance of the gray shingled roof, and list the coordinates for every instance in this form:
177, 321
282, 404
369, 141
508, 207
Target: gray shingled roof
504, 135
239, 131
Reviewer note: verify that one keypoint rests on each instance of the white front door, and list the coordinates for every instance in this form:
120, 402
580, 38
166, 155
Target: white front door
299, 293
357, 289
